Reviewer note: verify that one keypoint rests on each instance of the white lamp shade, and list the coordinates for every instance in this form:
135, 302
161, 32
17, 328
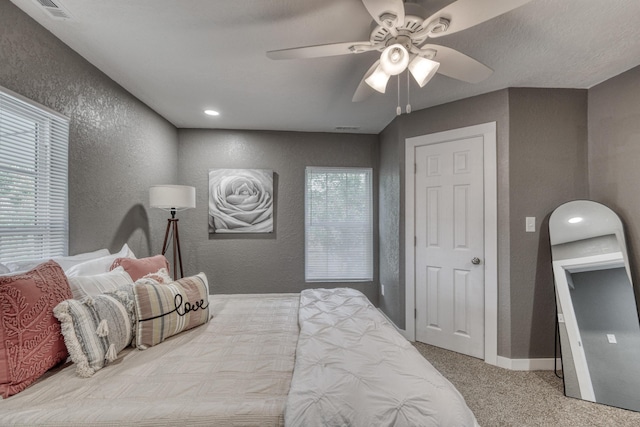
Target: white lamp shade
172, 197
394, 59
423, 69
378, 79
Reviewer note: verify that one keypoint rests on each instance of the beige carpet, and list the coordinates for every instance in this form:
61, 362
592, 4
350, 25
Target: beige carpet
501, 397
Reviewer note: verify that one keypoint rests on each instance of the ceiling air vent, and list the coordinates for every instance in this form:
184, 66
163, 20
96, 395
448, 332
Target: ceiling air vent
347, 128
54, 9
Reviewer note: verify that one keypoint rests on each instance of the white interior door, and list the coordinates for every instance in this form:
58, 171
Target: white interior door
449, 252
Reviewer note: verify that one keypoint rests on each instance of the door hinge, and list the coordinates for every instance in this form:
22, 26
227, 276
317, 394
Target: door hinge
415, 168
415, 240
415, 313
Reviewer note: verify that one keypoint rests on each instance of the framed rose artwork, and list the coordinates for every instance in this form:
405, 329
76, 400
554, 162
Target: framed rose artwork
240, 201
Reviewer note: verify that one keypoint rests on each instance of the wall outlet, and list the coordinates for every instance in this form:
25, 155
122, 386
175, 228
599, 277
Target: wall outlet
382, 289
612, 339
560, 318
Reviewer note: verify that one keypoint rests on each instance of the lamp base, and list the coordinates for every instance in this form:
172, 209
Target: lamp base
172, 227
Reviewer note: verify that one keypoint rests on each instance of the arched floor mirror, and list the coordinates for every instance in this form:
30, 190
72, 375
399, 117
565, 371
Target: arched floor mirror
596, 305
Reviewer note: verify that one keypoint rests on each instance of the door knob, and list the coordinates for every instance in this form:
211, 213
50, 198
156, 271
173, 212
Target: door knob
475, 261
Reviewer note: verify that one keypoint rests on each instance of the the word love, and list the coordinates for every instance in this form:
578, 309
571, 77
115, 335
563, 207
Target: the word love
182, 308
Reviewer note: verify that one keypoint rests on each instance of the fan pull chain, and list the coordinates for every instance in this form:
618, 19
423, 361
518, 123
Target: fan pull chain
408, 103
398, 108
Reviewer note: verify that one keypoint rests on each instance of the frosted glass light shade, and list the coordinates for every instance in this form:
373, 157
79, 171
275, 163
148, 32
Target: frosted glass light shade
423, 69
378, 79
394, 59
172, 197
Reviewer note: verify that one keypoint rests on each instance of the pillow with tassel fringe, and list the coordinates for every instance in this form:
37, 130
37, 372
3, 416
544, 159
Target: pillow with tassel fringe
96, 328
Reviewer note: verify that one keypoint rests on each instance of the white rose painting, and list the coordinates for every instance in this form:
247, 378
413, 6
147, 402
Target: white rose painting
240, 201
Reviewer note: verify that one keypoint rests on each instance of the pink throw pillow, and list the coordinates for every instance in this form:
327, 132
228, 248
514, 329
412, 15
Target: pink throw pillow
138, 268
161, 276
30, 338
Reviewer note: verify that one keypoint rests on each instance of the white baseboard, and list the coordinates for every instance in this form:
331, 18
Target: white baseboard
543, 364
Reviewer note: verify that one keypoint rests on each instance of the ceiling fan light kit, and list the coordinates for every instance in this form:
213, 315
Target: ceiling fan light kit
394, 60
399, 35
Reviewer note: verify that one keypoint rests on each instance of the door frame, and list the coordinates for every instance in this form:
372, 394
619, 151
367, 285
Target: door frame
488, 133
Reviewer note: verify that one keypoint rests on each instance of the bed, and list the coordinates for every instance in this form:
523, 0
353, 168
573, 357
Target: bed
319, 358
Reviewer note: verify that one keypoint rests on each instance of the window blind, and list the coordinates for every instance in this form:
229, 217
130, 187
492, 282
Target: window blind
338, 224
34, 144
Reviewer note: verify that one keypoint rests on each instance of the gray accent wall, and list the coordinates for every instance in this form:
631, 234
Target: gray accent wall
118, 146
541, 137
270, 262
547, 167
614, 154
392, 271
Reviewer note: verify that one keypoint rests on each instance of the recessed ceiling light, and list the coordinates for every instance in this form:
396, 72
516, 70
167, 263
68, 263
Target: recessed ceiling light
575, 220
211, 112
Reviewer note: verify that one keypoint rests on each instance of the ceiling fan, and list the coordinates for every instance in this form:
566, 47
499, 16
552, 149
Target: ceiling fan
400, 36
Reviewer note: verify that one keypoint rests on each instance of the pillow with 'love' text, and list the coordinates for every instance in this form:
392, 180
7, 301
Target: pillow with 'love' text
165, 310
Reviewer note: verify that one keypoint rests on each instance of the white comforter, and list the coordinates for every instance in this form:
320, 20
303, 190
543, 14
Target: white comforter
354, 369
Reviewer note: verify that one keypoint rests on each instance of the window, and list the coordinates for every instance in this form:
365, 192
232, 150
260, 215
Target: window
33, 180
338, 224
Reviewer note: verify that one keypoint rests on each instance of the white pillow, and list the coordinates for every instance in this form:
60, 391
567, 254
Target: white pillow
83, 286
66, 262
99, 265
21, 266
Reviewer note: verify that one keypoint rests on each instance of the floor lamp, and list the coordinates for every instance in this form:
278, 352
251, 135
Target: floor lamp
172, 198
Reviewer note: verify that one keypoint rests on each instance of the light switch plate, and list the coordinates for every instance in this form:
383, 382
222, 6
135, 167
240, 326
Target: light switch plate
612, 339
530, 224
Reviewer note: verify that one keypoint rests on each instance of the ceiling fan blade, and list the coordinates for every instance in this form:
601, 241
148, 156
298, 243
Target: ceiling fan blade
378, 8
364, 90
458, 65
318, 51
464, 14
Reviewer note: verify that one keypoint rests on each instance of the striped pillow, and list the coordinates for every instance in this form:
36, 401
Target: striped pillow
97, 328
165, 310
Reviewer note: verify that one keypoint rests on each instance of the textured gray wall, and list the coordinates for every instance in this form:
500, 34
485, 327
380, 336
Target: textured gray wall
118, 146
273, 262
547, 167
614, 153
392, 272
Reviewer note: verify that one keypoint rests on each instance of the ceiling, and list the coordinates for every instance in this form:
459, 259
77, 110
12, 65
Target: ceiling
183, 56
